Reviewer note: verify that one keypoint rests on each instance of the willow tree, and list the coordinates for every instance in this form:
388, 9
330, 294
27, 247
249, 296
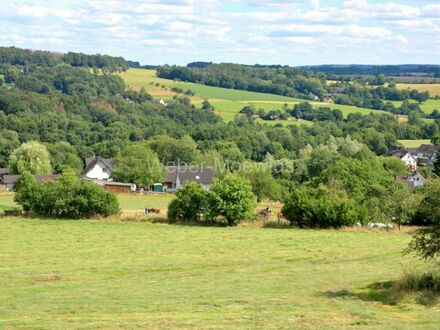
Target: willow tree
31, 157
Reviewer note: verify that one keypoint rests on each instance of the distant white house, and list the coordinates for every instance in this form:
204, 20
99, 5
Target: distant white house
413, 181
98, 169
406, 157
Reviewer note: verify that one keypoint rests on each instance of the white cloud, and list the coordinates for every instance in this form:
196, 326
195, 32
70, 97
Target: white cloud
154, 31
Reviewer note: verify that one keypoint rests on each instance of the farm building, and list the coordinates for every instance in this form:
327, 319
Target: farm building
98, 169
427, 154
178, 175
9, 181
115, 187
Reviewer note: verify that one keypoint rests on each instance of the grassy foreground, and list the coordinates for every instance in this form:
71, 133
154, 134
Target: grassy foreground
104, 274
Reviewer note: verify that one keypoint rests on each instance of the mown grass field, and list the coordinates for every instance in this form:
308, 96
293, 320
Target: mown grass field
427, 107
58, 274
414, 143
227, 102
433, 89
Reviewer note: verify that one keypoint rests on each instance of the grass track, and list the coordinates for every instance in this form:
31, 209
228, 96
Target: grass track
100, 274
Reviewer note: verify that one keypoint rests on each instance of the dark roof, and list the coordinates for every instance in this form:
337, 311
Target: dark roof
91, 162
12, 179
399, 153
201, 175
4, 171
428, 149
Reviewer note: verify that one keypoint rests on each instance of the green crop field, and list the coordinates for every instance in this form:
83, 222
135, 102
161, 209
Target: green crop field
227, 102
59, 274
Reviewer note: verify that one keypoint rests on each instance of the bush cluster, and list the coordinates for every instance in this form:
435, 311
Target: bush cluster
229, 201
67, 198
322, 207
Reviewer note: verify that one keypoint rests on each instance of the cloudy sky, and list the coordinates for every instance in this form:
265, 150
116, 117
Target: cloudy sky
295, 32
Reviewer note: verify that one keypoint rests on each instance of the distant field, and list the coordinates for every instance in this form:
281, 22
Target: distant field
414, 143
61, 274
427, 106
433, 89
228, 102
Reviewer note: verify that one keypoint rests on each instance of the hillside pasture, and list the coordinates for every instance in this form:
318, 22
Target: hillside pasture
58, 274
227, 102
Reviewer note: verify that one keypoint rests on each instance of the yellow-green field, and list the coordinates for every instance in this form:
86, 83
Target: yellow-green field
75, 274
413, 143
427, 107
433, 89
227, 102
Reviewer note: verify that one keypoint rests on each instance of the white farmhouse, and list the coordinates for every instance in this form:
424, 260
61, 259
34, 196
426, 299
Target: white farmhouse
98, 169
406, 157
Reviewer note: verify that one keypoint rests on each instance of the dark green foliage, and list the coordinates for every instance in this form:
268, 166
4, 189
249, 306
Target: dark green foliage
322, 207
26, 191
426, 241
68, 198
189, 204
64, 156
138, 164
231, 199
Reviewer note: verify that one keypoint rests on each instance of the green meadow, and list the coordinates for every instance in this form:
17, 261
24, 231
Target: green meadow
58, 274
414, 143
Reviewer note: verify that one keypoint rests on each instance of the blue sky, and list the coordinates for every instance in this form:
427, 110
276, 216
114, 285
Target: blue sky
295, 32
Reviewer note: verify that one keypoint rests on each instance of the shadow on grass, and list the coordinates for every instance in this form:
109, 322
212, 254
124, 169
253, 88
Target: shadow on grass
423, 289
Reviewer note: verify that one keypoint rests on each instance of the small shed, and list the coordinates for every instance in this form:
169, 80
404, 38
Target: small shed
158, 187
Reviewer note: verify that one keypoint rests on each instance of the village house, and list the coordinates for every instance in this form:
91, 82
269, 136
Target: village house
412, 181
178, 175
407, 158
9, 181
427, 154
98, 169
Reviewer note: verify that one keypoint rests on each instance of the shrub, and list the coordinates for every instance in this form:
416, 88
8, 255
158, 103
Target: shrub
321, 207
231, 199
67, 198
189, 202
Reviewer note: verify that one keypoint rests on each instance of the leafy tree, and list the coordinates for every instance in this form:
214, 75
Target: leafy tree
138, 164
322, 207
67, 198
231, 199
426, 241
64, 156
26, 191
262, 182
9, 140
32, 157
189, 204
